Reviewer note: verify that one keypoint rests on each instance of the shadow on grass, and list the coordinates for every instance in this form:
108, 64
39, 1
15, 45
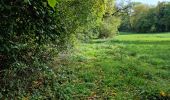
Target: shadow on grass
137, 42
136, 33
141, 42
98, 41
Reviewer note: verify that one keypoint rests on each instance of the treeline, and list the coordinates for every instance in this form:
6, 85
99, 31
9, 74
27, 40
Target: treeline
33, 32
144, 18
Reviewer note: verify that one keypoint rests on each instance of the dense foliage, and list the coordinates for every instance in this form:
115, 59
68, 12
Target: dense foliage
32, 32
144, 18
26, 32
109, 25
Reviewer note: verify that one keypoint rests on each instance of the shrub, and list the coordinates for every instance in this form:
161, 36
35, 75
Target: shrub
27, 31
109, 27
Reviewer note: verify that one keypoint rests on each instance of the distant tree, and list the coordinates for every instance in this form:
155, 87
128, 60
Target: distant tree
163, 15
145, 18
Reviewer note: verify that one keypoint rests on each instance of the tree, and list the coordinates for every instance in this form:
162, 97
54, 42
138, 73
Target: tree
110, 22
144, 18
163, 15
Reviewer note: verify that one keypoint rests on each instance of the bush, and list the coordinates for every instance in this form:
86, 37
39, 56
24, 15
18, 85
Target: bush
27, 33
108, 28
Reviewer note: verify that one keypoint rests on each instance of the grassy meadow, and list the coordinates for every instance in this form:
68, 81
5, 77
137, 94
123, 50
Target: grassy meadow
128, 67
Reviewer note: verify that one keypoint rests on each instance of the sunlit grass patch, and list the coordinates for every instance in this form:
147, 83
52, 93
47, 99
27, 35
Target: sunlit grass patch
130, 66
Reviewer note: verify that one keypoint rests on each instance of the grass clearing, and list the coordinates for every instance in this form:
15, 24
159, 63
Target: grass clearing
131, 66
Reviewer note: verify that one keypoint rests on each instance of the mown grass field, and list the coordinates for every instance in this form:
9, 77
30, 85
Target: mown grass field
128, 67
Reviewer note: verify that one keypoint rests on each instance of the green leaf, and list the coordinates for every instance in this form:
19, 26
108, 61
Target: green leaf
52, 3
27, 1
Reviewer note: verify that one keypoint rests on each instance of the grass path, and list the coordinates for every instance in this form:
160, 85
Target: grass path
131, 66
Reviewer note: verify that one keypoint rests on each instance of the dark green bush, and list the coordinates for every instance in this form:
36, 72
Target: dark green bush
28, 31
24, 26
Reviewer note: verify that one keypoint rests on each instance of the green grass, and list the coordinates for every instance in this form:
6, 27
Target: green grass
130, 66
